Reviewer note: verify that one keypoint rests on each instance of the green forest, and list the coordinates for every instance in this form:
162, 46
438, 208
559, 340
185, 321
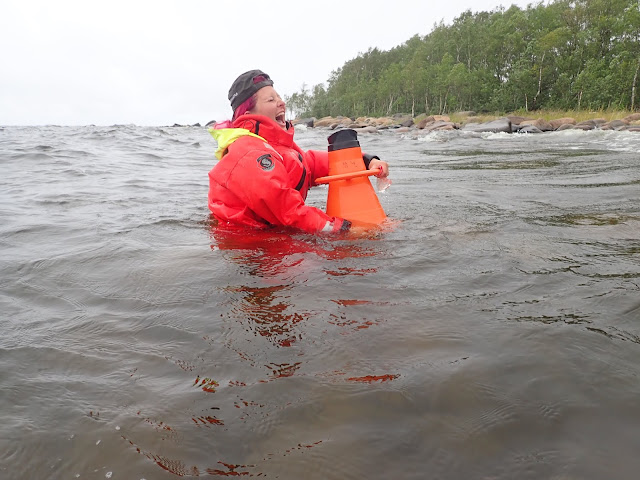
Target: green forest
563, 55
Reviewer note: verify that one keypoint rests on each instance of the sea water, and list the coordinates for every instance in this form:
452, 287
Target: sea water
492, 332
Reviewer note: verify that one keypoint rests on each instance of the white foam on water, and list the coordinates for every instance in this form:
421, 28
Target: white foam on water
503, 136
437, 136
574, 139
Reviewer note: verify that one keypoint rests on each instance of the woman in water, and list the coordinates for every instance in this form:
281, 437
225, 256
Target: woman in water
263, 177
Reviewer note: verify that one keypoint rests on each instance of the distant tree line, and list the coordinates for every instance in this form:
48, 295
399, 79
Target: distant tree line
567, 55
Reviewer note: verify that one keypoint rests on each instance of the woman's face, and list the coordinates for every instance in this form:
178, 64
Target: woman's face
269, 104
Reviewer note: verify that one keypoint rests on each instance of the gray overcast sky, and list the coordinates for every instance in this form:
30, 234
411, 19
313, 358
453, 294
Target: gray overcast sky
160, 62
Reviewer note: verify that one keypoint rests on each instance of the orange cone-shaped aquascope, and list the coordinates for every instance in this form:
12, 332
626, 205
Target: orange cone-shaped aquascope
353, 197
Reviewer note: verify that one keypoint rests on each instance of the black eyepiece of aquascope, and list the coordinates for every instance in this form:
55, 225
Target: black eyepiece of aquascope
346, 138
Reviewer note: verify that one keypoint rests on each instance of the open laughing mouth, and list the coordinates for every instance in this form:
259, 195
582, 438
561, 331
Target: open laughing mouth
280, 118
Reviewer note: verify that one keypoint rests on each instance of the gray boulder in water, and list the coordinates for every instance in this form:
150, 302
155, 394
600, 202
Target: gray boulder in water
529, 129
309, 122
494, 126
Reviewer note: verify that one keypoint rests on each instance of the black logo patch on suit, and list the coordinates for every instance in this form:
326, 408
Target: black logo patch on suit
266, 162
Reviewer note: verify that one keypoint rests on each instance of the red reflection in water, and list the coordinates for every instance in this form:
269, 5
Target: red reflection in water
269, 251
345, 303
269, 311
166, 432
357, 325
179, 468
207, 420
288, 451
283, 369
247, 403
183, 364
373, 378
266, 308
231, 470
342, 271
342, 320
207, 384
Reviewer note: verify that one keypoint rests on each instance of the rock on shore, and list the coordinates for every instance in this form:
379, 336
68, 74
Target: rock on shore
472, 123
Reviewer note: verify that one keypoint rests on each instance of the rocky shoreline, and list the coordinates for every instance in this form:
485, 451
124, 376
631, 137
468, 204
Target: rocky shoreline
472, 123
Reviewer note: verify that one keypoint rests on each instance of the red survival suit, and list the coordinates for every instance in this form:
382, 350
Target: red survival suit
263, 177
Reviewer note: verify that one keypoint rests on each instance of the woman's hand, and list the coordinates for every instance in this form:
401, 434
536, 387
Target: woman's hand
383, 166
